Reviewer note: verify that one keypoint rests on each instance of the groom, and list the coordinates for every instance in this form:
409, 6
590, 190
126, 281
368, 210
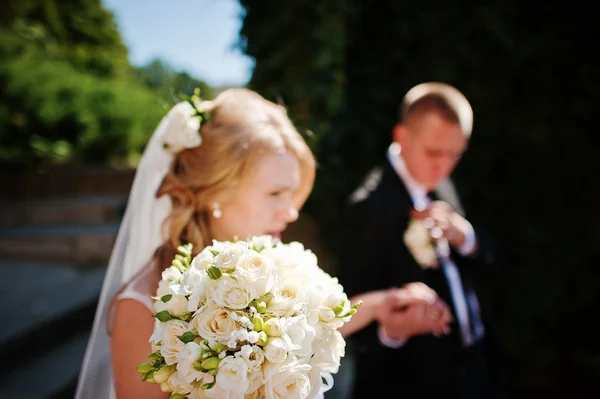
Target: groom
394, 358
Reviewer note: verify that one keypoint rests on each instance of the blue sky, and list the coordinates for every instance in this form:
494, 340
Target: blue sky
197, 36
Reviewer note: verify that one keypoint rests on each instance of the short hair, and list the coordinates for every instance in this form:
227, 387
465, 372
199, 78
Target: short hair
441, 98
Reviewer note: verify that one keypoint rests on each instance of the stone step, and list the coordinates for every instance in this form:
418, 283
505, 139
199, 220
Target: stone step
63, 210
64, 180
74, 243
43, 303
48, 309
52, 375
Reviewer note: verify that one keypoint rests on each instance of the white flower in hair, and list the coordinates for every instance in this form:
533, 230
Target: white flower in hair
183, 128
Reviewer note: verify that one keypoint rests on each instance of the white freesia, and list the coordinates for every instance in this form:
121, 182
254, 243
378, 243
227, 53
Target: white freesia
171, 273
185, 359
179, 385
202, 261
276, 350
177, 305
274, 327
214, 323
202, 293
288, 380
301, 335
329, 347
232, 375
183, 128
232, 294
253, 355
171, 344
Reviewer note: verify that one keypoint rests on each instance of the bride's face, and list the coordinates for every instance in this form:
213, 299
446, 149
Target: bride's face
264, 202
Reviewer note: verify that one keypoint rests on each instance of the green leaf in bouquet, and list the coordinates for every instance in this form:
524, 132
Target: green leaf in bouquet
187, 337
164, 298
177, 396
212, 372
214, 273
213, 252
156, 356
164, 316
208, 385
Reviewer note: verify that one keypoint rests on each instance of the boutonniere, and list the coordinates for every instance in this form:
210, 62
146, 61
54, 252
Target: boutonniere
420, 244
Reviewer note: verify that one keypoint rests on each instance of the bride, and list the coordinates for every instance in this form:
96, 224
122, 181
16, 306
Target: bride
232, 167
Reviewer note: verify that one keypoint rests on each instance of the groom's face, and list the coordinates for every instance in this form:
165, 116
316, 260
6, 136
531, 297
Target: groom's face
431, 147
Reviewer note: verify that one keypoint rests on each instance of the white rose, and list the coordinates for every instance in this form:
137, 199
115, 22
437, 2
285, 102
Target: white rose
288, 380
185, 359
276, 350
231, 294
258, 272
288, 298
301, 335
232, 375
228, 258
178, 384
253, 355
177, 305
214, 323
171, 343
182, 128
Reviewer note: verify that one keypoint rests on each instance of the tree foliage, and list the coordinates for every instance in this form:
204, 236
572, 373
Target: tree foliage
67, 89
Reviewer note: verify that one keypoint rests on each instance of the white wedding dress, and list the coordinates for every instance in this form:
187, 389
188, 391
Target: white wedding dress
138, 238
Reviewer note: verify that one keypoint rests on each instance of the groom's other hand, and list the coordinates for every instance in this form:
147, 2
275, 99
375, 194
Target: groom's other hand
412, 310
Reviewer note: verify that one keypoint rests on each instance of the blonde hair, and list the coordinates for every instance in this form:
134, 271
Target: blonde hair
243, 127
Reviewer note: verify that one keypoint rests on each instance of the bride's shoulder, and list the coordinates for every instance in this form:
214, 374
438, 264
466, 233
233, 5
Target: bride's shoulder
141, 288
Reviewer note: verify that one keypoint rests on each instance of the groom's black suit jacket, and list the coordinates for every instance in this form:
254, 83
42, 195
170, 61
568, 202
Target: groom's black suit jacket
373, 256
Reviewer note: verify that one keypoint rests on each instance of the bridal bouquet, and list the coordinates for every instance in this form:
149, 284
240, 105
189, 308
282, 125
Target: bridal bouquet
247, 319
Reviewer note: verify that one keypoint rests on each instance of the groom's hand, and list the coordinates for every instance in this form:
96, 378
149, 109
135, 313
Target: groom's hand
440, 216
413, 310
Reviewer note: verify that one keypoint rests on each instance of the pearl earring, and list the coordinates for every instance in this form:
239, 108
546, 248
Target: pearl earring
217, 210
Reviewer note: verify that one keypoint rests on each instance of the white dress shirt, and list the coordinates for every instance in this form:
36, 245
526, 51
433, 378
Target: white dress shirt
420, 199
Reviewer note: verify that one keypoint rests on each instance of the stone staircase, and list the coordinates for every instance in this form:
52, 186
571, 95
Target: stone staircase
55, 241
